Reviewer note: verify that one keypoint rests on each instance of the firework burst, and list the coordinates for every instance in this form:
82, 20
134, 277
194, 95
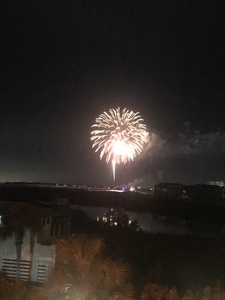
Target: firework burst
119, 136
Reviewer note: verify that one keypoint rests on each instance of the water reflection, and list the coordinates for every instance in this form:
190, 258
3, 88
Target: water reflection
155, 223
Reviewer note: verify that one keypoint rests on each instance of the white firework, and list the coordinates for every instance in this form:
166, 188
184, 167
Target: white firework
119, 136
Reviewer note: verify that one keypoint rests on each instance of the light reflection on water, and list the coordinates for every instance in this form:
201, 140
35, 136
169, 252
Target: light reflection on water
151, 223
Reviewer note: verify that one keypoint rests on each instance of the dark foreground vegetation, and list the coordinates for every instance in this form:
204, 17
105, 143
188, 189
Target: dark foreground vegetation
101, 261
174, 260
129, 265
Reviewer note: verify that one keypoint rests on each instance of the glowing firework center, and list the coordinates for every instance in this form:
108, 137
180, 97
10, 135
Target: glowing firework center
122, 150
119, 136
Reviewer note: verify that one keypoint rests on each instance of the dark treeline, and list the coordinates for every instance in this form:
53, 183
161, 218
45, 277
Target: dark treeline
186, 262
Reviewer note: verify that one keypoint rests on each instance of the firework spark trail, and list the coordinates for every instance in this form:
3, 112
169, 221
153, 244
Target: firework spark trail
119, 136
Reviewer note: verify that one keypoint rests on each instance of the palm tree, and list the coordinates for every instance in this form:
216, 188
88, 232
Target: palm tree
20, 217
83, 273
13, 226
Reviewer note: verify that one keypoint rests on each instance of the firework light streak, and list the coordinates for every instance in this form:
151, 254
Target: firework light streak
119, 136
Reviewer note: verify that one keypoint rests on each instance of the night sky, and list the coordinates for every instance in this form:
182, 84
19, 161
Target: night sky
65, 62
